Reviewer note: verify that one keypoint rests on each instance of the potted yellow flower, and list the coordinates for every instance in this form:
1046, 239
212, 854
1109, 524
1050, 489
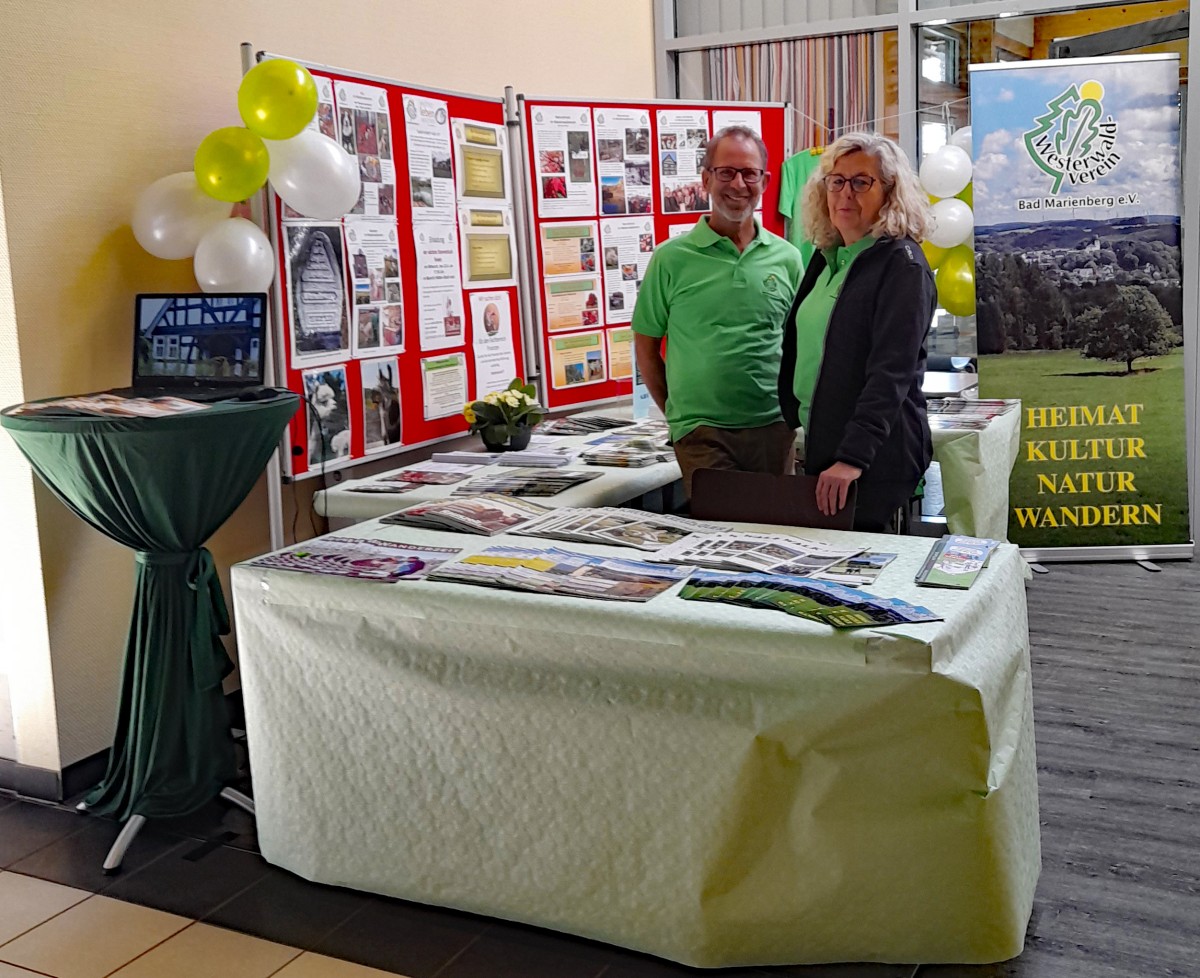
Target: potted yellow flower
505, 419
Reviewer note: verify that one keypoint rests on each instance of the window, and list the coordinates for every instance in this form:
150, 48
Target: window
939, 56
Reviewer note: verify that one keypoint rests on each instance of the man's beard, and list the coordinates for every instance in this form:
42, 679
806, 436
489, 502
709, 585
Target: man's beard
727, 213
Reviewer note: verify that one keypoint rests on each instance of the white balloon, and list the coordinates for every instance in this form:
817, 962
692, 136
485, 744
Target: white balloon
962, 139
314, 175
945, 171
173, 214
953, 223
235, 256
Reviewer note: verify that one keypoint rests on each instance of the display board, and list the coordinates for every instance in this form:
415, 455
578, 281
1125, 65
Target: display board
389, 319
606, 184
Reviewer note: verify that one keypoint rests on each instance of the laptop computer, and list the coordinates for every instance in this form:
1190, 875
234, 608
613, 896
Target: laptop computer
206, 346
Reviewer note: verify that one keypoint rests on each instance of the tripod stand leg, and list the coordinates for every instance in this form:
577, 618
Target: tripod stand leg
129, 831
235, 797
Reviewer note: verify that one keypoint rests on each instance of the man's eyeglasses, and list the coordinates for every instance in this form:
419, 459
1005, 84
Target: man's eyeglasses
860, 184
750, 174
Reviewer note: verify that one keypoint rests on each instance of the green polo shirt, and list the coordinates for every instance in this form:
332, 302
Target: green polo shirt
722, 312
812, 320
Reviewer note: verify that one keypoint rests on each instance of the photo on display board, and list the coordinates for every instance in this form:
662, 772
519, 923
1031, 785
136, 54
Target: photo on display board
328, 413
610, 150
380, 403
385, 137
612, 195
346, 118
580, 153
316, 283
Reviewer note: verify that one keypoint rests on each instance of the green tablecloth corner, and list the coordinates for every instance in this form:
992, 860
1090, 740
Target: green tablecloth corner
162, 486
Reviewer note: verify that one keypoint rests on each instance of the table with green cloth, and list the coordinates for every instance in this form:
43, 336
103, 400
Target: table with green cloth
713, 784
162, 486
976, 465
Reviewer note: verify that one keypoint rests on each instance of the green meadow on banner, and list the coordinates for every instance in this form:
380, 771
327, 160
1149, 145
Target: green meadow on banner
1079, 296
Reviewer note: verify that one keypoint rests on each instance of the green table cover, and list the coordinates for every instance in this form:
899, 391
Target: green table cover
162, 486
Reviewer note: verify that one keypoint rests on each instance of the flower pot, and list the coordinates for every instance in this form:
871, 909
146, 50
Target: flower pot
517, 441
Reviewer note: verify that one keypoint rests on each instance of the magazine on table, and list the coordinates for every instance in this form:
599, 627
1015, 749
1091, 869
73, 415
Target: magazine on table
390, 488
467, 458
957, 422
433, 473
112, 405
547, 453
970, 407
857, 571
367, 560
822, 601
955, 561
557, 571
765, 552
610, 525
487, 514
581, 424
524, 483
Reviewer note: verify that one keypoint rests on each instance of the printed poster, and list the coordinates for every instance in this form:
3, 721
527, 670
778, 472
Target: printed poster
439, 287
682, 136
620, 354
482, 150
750, 118
1078, 292
577, 360
316, 287
492, 341
489, 256
568, 249
562, 148
443, 385
430, 173
624, 161
572, 303
380, 403
375, 280
628, 244
365, 131
327, 408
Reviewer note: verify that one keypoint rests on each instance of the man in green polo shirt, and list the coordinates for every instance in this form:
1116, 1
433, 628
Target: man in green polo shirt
719, 295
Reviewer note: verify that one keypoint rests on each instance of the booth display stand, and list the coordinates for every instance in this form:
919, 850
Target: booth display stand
162, 486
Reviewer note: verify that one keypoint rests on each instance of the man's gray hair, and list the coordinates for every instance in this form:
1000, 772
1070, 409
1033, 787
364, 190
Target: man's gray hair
735, 132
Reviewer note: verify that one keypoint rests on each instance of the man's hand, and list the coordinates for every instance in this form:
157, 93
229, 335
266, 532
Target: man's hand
832, 486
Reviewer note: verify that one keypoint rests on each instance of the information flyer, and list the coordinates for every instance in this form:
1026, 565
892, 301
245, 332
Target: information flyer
681, 140
439, 287
568, 249
492, 334
430, 174
723, 118
316, 288
577, 360
375, 276
443, 385
624, 161
620, 354
572, 303
482, 150
562, 146
488, 250
628, 244
365, 132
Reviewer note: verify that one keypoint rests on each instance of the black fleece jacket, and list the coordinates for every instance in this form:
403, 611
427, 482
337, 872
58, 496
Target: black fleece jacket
867, 407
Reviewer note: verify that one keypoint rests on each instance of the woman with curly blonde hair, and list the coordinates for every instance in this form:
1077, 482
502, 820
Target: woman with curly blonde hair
854, 341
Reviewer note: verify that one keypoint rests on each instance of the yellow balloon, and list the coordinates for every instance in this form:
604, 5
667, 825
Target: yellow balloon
231, 164
967, 195
933, 254
277, 99
956, 281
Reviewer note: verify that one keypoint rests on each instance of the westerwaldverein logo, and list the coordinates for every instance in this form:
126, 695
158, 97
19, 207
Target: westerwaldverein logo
1071, 142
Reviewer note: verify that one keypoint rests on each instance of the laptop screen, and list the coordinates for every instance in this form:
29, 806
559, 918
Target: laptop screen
200, 339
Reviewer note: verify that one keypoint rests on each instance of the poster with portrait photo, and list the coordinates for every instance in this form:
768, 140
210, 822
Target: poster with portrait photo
318, 309
628, 244
327, 411
492, 340
374, 251
682, 136
561, 136
430, 171
577, 360
380, 403
365, 131
439, 287
625, 182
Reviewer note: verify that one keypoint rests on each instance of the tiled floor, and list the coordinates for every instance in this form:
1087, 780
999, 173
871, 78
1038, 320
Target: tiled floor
1119, 895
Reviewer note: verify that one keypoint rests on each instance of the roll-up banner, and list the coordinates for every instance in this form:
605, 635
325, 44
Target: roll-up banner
1079, 302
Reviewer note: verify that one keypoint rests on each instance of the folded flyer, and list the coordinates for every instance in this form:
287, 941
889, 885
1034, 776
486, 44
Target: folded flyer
774, 553
433, 473
613, 525
955, 561
368, 560
522, 483
487, 514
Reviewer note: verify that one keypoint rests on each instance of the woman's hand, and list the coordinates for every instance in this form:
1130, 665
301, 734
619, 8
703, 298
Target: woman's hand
832, 486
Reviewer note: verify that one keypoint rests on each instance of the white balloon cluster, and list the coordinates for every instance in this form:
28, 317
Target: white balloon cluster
187, 215
946, 176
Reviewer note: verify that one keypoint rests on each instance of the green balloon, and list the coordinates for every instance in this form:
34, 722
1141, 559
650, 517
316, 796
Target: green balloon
967, 195
231, 164
277, 99
956, 281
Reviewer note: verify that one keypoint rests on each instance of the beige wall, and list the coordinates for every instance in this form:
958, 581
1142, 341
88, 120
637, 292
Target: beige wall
102, 98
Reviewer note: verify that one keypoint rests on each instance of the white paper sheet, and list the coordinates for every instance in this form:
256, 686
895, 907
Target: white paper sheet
443, 385
365, 131
562, 147
430, 171
374, 257
627, 245
623, 160
439, 287
492, 341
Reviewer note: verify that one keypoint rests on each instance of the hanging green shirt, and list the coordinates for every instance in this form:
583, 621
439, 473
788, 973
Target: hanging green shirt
722, 312
812, 319
793, 176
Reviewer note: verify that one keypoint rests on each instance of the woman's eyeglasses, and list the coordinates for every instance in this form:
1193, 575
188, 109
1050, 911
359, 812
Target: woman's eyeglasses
860, 184
750, 174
